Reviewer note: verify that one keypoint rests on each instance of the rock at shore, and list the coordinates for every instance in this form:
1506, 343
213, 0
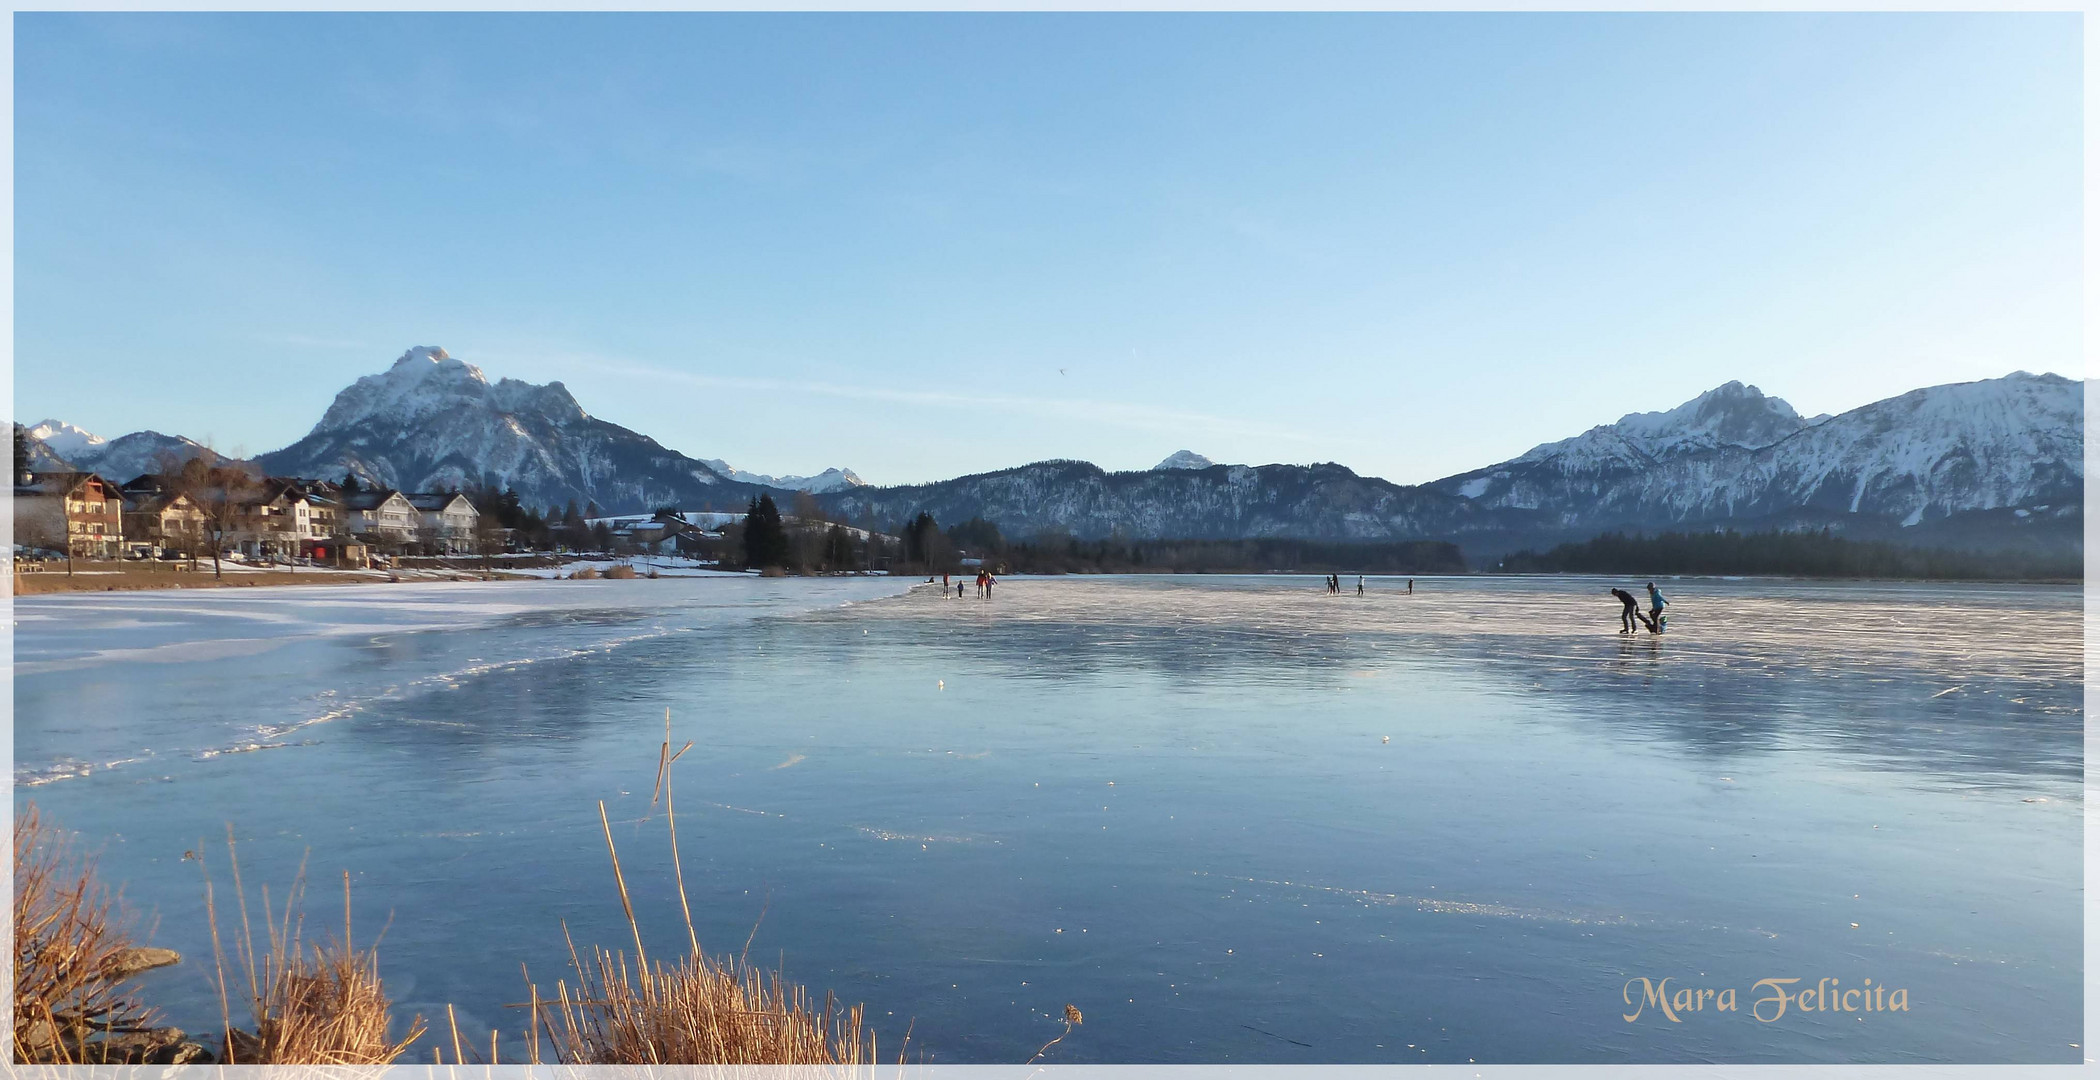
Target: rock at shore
133, 961
45, 1044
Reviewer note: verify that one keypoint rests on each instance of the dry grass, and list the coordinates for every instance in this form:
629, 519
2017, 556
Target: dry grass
622, 572
588, 573
130, 576
1072, 1020
69, 936
693, 1009
311, 1004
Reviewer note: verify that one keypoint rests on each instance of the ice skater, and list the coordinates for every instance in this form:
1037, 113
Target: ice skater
1655, 606
1410, 586
1630, 614
1359, 584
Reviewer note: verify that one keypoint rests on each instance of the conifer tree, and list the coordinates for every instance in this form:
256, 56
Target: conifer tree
765, 537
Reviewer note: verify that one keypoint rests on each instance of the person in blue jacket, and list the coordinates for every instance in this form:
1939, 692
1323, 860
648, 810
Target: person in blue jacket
1655, 604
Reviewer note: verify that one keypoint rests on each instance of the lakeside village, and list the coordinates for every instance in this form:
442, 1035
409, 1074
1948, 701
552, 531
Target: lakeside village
196, 511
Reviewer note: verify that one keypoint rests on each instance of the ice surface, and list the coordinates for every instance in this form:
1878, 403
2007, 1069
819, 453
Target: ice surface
1231, 819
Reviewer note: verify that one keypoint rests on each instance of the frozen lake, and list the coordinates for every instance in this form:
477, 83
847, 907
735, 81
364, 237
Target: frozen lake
1231, 819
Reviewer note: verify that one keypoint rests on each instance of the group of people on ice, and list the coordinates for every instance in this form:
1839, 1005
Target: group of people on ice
1653, 618
985, 581
1334, 585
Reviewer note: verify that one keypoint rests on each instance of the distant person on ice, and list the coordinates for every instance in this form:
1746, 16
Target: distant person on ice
1359, 584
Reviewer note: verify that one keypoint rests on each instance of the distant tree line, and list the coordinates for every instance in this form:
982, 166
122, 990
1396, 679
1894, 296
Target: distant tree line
807, 542
1799, 554
565, 528
928, 546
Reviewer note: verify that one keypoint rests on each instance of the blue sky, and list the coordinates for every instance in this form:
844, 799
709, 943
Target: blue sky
921, 246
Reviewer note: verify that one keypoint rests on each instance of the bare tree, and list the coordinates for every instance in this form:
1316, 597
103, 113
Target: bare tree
489, 535
40, 526
807, 512
219, 487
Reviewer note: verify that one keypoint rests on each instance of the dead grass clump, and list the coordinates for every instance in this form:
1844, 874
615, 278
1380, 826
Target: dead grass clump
622, 572
694, 1009
310, 1004
70, 945
588, 573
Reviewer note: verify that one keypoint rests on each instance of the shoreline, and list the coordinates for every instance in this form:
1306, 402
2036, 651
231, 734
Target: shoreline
160, 578
47, 583
164, 577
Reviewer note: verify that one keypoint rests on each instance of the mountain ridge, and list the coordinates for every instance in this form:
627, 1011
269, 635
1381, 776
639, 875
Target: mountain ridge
1928, 453
1954, 459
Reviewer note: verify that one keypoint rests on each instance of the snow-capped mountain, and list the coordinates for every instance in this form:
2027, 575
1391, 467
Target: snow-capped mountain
117, 459
36, 455
1184, 459
826, 481
2011, 443
127, 456
1972, 463
1733, 454
1730, 415
433, 421
1236, 501
67, 441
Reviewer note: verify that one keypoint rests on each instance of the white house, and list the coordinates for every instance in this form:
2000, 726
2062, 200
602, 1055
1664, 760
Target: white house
385, 518
447, 522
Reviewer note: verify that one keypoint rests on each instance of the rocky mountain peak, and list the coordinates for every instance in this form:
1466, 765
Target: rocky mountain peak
429, 353
426, 381
1184, 459
1732, 414
830, 480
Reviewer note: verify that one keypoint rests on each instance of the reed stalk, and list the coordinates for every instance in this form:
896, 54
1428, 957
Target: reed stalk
309, 1003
